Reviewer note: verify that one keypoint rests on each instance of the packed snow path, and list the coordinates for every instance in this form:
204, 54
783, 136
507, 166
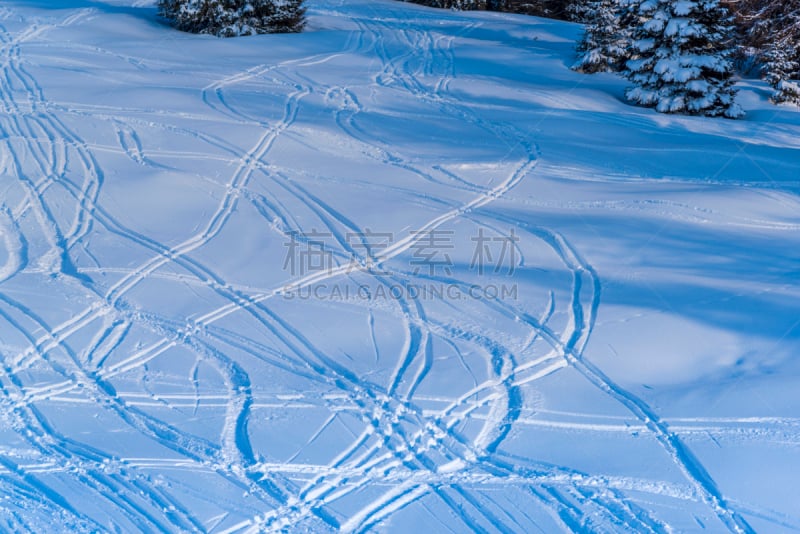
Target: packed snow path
402, 271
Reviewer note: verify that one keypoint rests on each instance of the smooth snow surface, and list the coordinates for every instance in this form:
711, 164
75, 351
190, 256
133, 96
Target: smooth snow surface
174, 360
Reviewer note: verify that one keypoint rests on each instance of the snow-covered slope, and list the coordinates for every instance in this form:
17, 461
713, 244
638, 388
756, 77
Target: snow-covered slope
405, 270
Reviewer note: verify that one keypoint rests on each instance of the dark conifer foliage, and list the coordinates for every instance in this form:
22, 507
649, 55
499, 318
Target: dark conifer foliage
558, 9
229, 18
769, 35
606, 42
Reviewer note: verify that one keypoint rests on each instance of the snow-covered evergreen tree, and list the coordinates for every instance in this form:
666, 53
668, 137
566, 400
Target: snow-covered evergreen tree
684, 58
229, 18
782, 72
288, 16
606, 42
581, 11
771, 30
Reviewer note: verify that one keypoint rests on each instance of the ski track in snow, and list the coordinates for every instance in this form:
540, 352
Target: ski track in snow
405, 452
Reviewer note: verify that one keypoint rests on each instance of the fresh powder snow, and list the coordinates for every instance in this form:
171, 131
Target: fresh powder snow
403, 271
